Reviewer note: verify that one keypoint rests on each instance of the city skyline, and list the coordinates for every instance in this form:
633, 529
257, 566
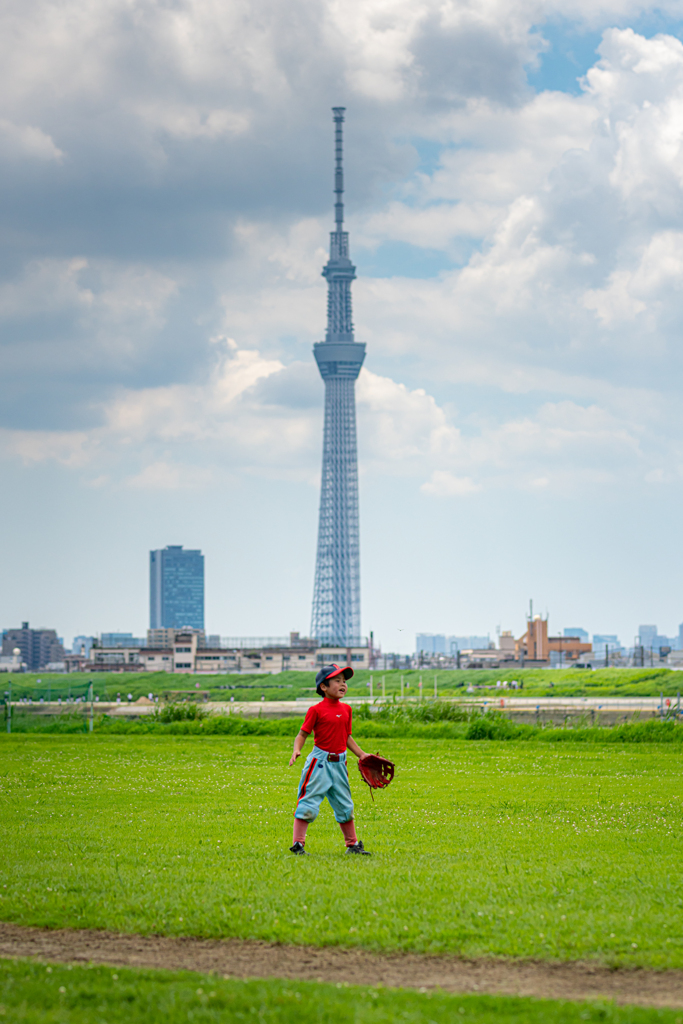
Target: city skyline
647, 636
425, 642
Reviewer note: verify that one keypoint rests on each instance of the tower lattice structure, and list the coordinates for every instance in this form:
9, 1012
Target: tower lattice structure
336, 594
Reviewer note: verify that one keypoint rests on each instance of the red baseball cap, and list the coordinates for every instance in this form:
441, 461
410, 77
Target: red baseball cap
329, 672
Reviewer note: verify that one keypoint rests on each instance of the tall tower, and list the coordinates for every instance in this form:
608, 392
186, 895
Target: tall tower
336, 594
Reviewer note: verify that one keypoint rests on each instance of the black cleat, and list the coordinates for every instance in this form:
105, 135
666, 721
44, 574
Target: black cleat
298, 848
358, 848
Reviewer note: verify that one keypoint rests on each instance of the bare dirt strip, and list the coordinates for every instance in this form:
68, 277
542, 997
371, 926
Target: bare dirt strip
237, 959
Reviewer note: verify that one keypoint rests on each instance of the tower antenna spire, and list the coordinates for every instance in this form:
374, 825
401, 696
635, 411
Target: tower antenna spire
338, 114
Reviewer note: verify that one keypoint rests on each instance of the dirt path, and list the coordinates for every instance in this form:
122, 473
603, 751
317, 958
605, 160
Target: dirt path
234, 958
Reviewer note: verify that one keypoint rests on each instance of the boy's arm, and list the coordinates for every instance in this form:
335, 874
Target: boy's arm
299, 741
354, 748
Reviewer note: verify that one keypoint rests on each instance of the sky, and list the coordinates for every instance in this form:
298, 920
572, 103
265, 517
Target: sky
514, 176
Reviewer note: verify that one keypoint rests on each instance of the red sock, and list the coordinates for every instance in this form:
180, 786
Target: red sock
349, 830
300, 827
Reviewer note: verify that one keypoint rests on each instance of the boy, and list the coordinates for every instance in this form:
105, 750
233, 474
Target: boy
325, 773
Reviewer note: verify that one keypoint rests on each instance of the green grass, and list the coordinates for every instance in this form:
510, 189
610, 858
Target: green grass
620, 682
523, 850
50, 994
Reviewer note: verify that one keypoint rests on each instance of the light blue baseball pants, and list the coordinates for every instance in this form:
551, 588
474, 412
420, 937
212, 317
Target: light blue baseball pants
322, 778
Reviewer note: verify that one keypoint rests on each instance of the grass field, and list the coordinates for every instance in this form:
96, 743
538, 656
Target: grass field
51, 994
624, 682
511, 849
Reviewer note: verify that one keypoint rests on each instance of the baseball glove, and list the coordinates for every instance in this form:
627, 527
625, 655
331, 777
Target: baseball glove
377, 771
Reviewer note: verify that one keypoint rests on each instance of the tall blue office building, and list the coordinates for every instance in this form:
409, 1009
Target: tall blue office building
176, 588
336, 593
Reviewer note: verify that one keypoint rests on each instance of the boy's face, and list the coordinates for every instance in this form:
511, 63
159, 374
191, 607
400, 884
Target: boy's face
335, 688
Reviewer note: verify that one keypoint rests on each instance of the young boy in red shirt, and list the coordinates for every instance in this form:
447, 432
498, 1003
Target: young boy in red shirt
325, 773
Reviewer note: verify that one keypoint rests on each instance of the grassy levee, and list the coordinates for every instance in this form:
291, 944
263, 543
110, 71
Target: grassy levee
526, 849
110, 685
52, 994
615, 682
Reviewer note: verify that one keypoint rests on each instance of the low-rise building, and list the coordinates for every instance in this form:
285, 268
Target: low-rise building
567, 650
163, 637
356, 657
536, 648
12, 662
186, 653
120, 640
157, 659
75, 662
111, 659
484, 657
507, 646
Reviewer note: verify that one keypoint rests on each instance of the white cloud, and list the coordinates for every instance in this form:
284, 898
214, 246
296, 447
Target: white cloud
401, 429
18, 141
71, 448
187, 122
443, 484
165, 476
187, 411
114, 304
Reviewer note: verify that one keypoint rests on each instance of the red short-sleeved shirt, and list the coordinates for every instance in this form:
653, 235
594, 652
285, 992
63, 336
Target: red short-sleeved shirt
330, 722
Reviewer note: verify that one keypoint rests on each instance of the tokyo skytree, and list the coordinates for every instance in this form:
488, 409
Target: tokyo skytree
336, 594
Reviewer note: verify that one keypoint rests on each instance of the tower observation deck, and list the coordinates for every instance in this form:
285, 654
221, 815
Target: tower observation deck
336, 594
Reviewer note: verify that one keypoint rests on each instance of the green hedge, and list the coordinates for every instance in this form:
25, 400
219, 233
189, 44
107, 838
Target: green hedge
408, 724
496, 727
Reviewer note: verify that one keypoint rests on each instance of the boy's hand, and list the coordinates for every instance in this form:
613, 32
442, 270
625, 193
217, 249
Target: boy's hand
298, 746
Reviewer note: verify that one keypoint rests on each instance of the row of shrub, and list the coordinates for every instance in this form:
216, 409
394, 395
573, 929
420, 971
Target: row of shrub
431, 720
496, 727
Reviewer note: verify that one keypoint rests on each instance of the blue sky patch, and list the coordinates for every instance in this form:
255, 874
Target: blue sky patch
400, 259
573, 47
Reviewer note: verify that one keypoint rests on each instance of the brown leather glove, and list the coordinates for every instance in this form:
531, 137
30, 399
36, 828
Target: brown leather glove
377, 771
